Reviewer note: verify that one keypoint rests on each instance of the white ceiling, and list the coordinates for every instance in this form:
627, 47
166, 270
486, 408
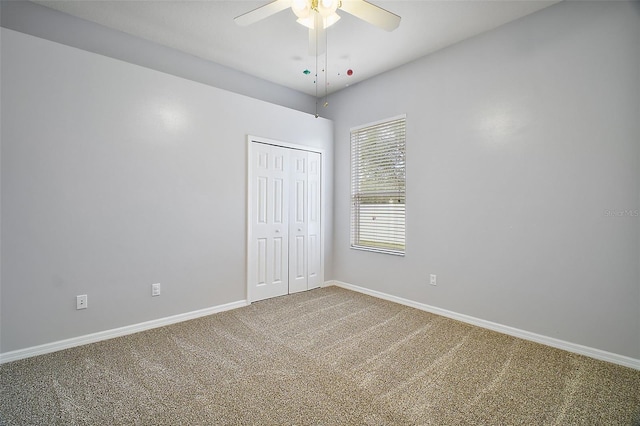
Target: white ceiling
276, 49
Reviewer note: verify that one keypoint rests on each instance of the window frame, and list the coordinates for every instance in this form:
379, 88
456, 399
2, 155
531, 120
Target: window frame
398, 221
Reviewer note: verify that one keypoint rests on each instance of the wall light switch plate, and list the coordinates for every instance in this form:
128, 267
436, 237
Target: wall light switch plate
155, 289
432, 279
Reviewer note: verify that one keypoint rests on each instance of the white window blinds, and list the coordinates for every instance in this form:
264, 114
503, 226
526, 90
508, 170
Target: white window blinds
378, 186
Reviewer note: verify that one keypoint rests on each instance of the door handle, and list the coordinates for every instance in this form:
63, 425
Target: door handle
277, 231
299, 229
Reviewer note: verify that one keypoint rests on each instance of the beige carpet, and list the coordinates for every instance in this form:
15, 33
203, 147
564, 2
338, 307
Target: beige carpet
323, 357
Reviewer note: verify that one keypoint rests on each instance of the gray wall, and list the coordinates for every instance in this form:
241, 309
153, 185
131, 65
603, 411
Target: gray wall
114, 177
40, 21
523, 177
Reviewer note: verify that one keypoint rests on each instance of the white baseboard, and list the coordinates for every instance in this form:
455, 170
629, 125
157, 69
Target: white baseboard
116, 332
527, 335
135, 328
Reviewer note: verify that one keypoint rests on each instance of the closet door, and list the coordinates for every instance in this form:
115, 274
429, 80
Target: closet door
315, 276
268, 247
298, 218
305, 255
284, 249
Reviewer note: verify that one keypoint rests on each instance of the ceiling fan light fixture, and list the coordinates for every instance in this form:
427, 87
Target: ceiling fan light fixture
302, 8
331, 19
309, 21
327, 8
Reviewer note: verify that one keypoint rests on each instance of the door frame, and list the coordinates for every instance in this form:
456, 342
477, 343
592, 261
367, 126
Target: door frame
251, 140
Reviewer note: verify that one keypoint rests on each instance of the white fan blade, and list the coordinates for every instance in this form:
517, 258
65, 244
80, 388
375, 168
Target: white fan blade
371, 13
262, 12
317, 38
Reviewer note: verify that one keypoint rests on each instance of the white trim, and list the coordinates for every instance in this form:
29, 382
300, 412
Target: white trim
523, 334
258, 139
116, 332
375, 123
375, 250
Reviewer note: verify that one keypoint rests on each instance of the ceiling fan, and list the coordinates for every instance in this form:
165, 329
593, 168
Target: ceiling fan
318, 15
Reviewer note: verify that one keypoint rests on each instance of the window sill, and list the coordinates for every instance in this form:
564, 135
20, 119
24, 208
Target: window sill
377, 250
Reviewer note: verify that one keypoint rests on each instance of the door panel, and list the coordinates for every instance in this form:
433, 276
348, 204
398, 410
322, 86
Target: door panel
268, 233
262, 262
298, 223
299, 260
262, 200
300, 199
277, 259
315, 277
278, 202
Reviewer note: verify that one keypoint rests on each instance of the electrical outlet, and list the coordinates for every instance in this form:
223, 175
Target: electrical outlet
82, 302
432, 279
155, 289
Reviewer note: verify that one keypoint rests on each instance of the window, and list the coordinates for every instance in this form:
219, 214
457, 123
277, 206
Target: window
378, 186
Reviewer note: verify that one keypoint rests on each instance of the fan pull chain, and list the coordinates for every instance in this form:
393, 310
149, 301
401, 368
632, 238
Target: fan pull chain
316, 81
326, 67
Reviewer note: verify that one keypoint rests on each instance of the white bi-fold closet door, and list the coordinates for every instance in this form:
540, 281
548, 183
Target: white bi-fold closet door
284, 248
